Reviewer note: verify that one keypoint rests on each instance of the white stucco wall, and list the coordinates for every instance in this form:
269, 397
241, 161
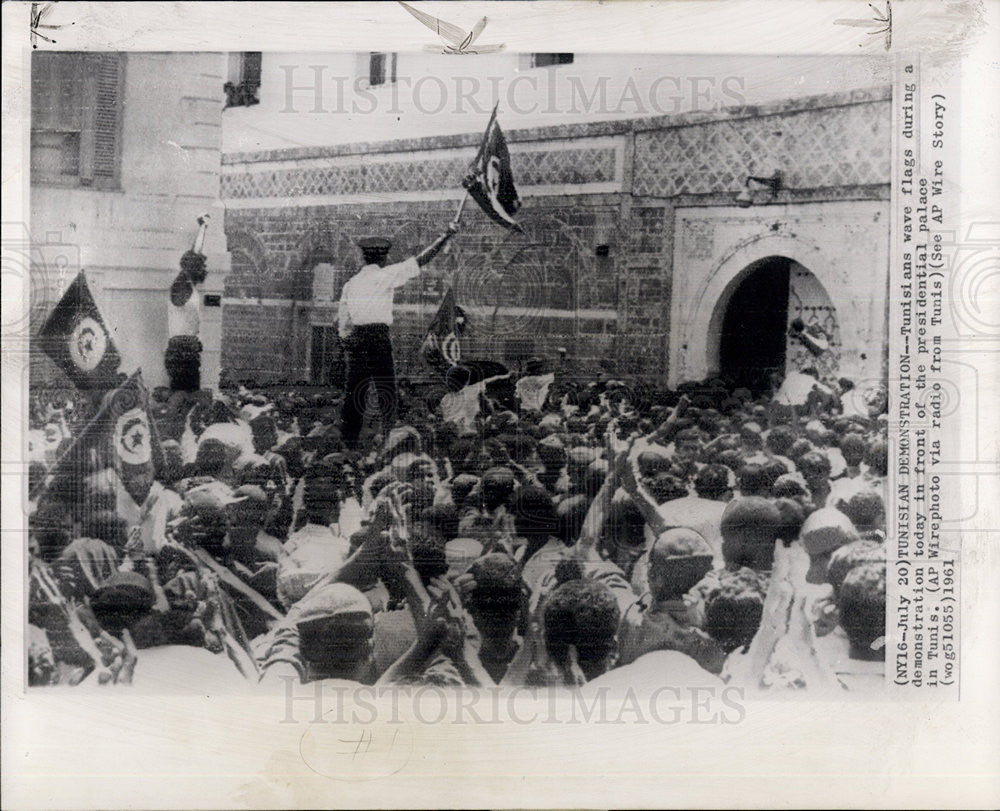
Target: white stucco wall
129, 241
843, 244
322, 99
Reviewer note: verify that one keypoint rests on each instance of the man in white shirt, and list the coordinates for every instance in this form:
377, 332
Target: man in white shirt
365, 315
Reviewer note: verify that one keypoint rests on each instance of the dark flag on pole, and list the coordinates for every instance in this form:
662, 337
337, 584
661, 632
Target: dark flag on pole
76, 338
135, 442
121, 435
441, 347
490, 180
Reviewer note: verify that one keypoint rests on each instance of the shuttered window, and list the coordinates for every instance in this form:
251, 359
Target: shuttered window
76, 118
549, 60
381, 68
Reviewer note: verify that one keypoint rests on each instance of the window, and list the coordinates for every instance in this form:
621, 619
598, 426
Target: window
548, 60
381, 68
243, 87
76, 114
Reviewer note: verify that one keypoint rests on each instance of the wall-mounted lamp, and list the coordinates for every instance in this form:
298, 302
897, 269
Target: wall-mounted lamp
745, 199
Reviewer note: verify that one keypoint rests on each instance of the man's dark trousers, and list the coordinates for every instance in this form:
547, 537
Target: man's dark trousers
368, 355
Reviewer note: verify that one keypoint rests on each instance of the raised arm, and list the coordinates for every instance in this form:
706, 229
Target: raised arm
593, 523
641, 497
435, 247
666, 431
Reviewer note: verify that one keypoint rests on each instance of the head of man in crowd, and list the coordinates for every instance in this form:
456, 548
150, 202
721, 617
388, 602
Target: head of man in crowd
861, 604
535, 518
823, 532
624, 538
678, 560
121, 601
497, 487
780, 439
687, 443
733, 609
877, 458
204, 519
712, 483
866, 509
335, 627
846, 557
750, 527
498, 598
265, 433
582, 615
815, 469
321, 493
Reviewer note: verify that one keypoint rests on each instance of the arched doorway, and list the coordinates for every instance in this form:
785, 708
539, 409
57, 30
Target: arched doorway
755, 323
752, 321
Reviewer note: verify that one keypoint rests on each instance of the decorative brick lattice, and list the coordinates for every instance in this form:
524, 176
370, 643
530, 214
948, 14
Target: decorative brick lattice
550, 287
536, 168
842, 146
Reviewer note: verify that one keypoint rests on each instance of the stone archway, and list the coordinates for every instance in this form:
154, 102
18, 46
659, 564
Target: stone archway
749, 333
841, 246
697, 314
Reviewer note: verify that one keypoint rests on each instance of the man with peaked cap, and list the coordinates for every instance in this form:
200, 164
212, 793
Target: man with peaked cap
666, 617
365, 315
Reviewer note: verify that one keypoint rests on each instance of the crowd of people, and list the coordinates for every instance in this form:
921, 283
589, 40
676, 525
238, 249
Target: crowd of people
562, 531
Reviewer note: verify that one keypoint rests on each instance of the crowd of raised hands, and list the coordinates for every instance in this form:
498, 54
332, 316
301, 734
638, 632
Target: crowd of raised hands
707, 535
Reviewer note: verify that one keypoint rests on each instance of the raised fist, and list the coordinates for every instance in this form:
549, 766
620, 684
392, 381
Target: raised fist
193, 264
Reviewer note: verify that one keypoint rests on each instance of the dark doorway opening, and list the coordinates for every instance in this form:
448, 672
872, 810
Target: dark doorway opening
752, 344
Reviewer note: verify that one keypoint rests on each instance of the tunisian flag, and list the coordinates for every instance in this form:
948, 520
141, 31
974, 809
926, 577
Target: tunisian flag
490, 180
76, 338
121, 435
441, 348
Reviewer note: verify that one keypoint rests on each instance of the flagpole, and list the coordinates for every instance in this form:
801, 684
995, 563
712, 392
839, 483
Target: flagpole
461, 206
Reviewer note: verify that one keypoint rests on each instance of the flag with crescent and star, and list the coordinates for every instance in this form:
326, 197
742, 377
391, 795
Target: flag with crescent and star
122, 435
490, 180
135, 442
76, 338
441, 348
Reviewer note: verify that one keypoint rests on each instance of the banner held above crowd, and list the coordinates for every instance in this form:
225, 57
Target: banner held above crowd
77, 339
490, 180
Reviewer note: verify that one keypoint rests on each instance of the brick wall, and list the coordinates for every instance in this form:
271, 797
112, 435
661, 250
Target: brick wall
614, 184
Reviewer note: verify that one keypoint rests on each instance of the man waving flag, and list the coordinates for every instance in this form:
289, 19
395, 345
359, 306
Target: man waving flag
75, 337
490, 180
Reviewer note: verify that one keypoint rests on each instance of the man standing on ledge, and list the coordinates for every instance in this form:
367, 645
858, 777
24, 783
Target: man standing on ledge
365, 315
